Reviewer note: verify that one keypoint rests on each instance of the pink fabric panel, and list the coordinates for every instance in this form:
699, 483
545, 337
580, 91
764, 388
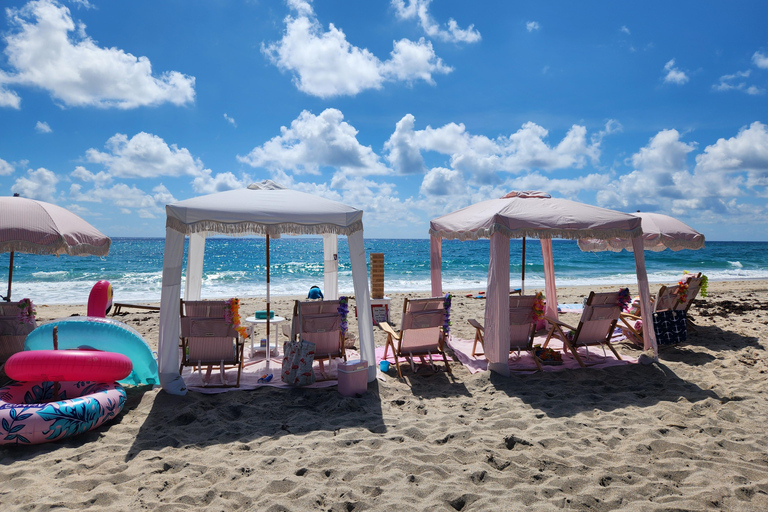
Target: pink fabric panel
550, 290
420, 341
435, 264
649, 336
497, 302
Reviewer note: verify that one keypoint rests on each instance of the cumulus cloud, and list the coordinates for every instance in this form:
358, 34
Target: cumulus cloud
75, 70
82, 174
129, 199
37, 184
532, 26
747, 152
523, 150
5, 168
208, 183
674, 75
144, 156
443, 182
43, 127
737, 82
325, 64
312, 142
230, 120
760, 60
419, 9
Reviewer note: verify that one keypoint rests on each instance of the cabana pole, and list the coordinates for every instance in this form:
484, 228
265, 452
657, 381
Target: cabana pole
268, 351
522, 285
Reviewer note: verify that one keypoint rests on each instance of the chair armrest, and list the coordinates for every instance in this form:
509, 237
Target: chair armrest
474, 323
558, 322
631, 316
389, 330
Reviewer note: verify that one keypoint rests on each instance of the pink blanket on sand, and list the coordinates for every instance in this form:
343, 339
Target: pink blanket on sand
523, 362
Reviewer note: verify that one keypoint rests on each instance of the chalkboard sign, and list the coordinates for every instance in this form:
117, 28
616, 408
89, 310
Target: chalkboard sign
380, 313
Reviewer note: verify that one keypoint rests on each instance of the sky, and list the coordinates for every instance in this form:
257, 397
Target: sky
406, 109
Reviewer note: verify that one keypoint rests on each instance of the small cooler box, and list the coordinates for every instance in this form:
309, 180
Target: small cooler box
353, 377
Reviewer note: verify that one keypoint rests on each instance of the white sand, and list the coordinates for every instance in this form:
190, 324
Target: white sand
687, 433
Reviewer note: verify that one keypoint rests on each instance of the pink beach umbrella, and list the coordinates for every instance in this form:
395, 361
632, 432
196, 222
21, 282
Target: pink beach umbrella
660, 232
36, 227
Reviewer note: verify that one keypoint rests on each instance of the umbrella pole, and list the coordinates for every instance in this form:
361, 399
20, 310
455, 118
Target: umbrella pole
522, 286
10, 278
268, 354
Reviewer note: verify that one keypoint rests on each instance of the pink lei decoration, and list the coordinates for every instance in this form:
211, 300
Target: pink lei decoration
27, 312
538, 306
232, 315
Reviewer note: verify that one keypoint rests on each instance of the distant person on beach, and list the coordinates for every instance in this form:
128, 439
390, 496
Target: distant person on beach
315, 293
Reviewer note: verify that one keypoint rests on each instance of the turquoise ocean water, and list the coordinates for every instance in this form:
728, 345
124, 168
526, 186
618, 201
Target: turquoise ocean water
236, 267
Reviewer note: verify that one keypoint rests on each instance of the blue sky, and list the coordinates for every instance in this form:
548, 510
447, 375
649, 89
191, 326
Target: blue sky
407, 109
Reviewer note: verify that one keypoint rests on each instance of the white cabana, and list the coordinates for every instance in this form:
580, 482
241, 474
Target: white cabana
261, 209
536, 215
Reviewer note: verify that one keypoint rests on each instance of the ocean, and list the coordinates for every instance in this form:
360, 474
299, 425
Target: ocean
235, 267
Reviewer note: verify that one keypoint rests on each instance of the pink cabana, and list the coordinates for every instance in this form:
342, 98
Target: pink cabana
536, 215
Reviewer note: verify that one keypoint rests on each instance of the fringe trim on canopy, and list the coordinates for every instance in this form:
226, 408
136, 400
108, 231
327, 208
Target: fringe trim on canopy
569, 234
254, 228
60, 247
656, 245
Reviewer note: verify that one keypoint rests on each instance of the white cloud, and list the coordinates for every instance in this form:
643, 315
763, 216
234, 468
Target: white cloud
8, 98
82, 174
485, 157
530, 26
419, 9
443, 182
38, 184
144, 156
43, 127
230, 120
325, 64
129, 199
313, 142
77, 72
625, 30
674, 75
207, 183
760, 60
747, 153
735, 82
83, 3
5, 168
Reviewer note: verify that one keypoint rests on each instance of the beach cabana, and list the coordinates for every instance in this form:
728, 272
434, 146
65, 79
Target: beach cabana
660, 232
536, 215
265, 209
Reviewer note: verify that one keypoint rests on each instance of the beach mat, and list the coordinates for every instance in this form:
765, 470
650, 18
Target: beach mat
253, 370
524, 362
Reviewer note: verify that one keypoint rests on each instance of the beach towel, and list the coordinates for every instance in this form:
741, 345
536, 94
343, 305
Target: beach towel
297, 363
670, 327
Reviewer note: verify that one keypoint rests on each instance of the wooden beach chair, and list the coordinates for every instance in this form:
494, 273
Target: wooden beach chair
522, 327
598, 320
12, 332
319, 322
421, 334
207, 339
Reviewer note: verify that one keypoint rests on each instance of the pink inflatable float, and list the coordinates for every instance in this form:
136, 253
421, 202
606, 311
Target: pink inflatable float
100, 299
28, 414
74, 365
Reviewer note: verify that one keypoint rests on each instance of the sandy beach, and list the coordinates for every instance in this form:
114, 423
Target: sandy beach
686, 433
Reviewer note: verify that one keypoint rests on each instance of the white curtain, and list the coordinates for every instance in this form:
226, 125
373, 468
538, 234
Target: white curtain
331, 259
168, 344
497, 306
195, 254
363, 301
649, 335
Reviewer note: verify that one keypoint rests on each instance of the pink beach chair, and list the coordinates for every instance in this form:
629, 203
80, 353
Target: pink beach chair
319, 322
522, 327
208, 339
421, 334
598, 320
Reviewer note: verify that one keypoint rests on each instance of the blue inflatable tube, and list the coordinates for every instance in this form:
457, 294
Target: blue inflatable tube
96, 333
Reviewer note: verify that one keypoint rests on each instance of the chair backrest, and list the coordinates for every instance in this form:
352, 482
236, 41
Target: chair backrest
12, 332
694, 285
318, 322
422, 324
208, 335
599, 317
521, 320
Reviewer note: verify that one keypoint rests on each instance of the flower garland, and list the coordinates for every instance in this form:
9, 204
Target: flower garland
343, 310
27, 312
447, 321
704, 284
232, 316
624, 298
547, 355
682, 290
538, 306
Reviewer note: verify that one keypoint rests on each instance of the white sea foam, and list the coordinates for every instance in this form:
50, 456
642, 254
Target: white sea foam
736, 264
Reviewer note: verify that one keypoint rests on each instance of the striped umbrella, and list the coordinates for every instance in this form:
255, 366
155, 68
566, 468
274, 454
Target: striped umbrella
37, 227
